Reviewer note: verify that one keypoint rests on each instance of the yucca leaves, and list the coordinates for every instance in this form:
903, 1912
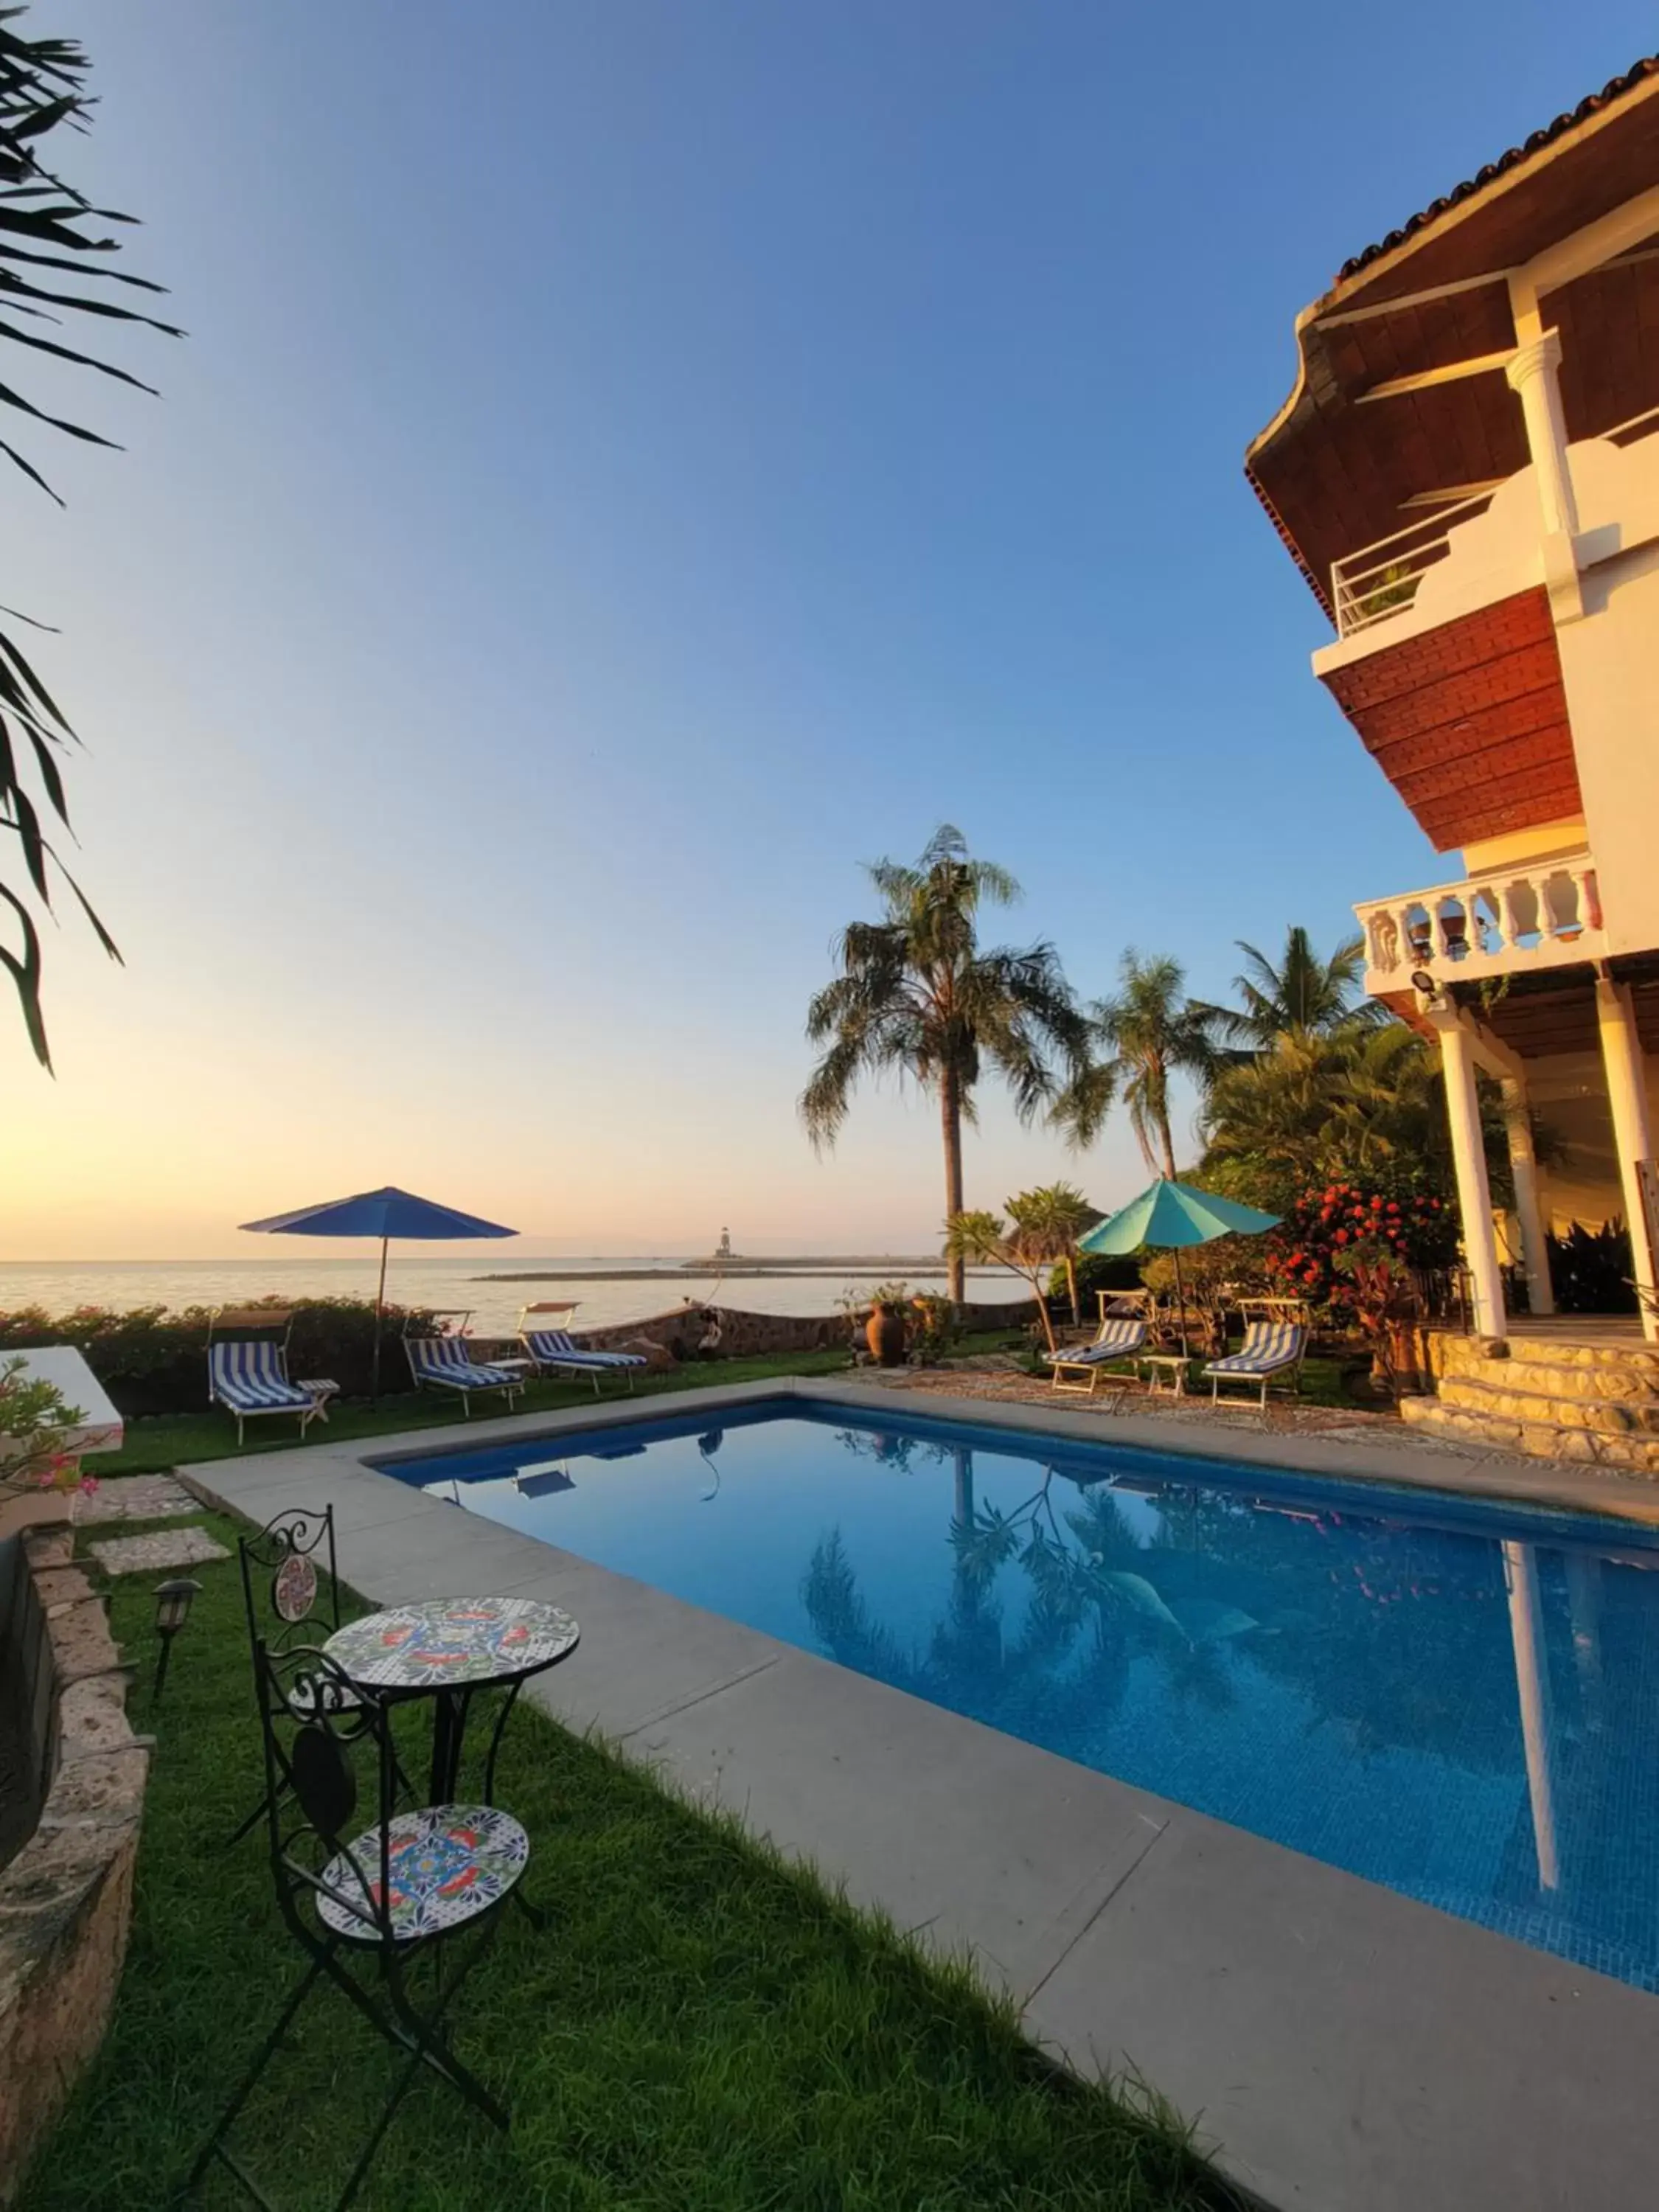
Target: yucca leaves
42, 84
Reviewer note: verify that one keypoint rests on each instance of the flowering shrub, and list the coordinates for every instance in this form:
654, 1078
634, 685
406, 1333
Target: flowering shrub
35, 1421
1418, 1230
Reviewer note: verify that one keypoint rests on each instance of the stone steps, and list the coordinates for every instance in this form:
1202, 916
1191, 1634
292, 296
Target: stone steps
1553, 1398
1536, 1438
1467, 1355
1547, 1377
1526, 1394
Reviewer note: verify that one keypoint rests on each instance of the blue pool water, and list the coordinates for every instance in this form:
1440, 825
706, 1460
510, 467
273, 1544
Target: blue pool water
1456, 1699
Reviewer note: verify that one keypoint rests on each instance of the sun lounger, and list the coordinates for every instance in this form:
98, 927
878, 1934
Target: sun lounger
248, 1376
555, 1352
444, 1360
1120, 1338
1270, 1348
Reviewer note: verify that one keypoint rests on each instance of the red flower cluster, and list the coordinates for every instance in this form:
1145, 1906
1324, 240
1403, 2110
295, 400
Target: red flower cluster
1417, 1230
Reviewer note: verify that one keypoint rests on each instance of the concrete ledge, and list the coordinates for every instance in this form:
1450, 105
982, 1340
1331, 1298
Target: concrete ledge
66, 1899
1339, 2046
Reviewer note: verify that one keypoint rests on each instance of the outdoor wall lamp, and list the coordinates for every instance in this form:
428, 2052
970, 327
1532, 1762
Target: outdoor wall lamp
173, 1603
1423, 982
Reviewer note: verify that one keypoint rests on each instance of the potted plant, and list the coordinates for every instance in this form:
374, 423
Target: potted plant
884, 1331
40, 1476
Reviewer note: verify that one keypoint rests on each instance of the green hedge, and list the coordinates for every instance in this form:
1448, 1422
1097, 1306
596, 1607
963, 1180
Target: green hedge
152, 1360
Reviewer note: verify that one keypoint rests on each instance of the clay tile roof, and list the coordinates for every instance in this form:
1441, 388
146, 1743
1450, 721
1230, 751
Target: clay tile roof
1648, 66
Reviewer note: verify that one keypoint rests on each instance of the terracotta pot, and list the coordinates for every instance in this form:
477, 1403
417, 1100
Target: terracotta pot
884, 1334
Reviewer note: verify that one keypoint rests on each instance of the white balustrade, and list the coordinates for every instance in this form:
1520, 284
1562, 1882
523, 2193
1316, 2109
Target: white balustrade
1541, 914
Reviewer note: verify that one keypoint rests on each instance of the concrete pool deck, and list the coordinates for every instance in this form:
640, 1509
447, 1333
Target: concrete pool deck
1338, 2046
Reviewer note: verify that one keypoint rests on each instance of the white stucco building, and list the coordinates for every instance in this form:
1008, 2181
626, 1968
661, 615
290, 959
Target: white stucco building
1466, 472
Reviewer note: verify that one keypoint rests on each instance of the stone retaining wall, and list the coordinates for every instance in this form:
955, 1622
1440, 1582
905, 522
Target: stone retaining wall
685, 1330
66, 1898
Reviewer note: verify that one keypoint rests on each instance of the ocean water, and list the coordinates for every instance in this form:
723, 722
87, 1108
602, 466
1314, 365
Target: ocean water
449, 1282
1448, 1697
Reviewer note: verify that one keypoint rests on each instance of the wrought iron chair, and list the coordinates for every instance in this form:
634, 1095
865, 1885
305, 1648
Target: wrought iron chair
300, 1600
385, 1896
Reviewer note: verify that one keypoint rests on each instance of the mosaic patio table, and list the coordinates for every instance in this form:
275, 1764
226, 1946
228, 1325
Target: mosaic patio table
449, 1649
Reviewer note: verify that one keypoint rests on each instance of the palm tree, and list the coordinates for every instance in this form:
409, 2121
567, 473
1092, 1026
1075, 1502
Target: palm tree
917, 995
1301, 993
42, 222
1150, 1030
1360, 1100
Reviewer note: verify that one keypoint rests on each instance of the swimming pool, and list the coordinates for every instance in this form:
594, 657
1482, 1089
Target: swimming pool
1455, 1699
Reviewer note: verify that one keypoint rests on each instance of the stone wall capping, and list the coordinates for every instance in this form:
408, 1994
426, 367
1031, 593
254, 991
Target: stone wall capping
66, 1898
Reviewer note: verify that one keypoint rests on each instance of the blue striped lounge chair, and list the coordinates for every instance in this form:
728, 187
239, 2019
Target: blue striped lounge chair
1121, 1337
1270, 1348
248, 1376
555, 1352
443, 1361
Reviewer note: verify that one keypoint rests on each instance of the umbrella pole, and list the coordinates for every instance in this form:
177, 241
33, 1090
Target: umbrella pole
1180, 1302
379, 1308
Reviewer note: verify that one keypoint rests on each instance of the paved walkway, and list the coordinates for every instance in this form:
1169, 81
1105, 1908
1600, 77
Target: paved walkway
1343, 2048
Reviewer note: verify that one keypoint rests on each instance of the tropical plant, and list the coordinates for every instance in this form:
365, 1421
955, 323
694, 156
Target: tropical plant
1591, 1269
1301, 994
1056, 1215
1147, 1033
917, 995
1093, 1272
1356, 1102
986, 1240
1384, 1299
934, 1327
43, 228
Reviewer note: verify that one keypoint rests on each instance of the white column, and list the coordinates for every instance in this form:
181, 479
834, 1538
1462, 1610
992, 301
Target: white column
1469, 1164
1628, 1096
1523, 1169
1534, 376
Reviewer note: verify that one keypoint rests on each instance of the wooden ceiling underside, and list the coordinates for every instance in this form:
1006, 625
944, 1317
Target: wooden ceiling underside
1469, 722
1334, 469
1561, 1018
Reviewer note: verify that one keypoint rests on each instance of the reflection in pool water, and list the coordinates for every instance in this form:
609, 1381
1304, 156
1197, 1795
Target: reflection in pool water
1454, 1699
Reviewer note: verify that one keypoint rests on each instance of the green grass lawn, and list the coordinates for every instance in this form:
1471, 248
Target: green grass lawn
698, 2028
177, 1439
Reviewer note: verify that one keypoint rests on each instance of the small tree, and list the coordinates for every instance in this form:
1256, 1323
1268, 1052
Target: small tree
1057, 1214
1028, 1244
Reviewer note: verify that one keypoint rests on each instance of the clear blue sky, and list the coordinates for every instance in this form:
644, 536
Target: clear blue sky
633, 461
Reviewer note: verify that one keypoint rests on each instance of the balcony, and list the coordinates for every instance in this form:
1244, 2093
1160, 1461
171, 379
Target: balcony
1381, 581
1506, 921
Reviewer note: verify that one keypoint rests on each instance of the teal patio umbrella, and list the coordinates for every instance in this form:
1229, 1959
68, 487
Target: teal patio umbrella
1170, 1215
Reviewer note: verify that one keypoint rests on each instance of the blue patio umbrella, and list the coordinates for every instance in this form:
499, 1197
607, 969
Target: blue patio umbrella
1171, 1216
386, 1214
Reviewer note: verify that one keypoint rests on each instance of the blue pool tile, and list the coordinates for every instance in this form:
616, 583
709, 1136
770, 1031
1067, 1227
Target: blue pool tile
1337, 1666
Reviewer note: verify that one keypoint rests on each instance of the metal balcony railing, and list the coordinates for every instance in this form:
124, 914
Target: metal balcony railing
1382, 579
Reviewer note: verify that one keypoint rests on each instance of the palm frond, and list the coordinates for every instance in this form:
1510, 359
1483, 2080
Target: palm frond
45, 225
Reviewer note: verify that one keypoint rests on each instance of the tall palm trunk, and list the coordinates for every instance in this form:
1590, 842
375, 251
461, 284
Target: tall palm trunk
950, 1115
